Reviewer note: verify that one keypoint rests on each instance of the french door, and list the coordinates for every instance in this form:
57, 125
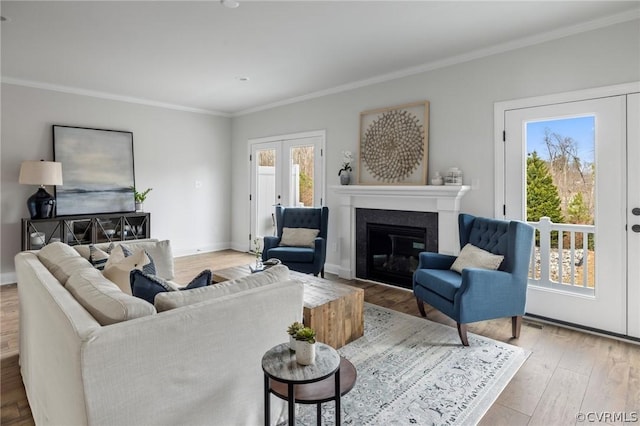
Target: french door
574, 162
286, 170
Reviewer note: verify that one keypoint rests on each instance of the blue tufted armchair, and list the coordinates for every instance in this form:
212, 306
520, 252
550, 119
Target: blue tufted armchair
479, 294
302, 259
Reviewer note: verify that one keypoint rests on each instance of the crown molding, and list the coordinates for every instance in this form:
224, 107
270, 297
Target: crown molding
105, 95
477, 54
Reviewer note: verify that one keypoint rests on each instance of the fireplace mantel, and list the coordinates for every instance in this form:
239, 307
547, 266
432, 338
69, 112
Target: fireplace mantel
444, 200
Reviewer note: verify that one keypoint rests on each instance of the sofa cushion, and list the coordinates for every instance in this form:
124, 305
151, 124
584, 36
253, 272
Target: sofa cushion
118, 271
299, 237
443, 282
146, 286
176, 299
474, 257
104, 300
292, 254
62, 260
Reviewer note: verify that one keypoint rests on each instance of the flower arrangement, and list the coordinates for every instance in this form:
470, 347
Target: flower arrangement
347, 158
257, 247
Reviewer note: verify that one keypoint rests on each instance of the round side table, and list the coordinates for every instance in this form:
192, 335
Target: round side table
279, 365
319, 392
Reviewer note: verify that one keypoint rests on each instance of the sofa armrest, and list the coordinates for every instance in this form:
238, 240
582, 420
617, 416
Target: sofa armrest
269, 243
430, 260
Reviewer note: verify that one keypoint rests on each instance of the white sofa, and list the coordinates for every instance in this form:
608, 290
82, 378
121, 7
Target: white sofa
196, 364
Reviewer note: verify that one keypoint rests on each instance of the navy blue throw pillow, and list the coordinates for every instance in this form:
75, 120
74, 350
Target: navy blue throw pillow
146, 286
201, 280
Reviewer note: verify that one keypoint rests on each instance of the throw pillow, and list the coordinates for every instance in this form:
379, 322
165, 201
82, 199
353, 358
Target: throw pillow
146, 286
118, 272
474, 257
122, 251
161, 253
97, 257
299, 237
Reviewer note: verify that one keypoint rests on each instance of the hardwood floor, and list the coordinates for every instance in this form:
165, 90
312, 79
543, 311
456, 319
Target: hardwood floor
568, 372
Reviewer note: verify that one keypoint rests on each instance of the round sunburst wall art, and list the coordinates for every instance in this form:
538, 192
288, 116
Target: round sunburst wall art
393, 145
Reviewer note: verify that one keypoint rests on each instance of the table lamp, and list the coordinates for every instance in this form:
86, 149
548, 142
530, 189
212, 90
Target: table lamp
41, 173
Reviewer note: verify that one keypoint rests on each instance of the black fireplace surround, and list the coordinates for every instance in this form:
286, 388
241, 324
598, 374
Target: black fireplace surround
388, 243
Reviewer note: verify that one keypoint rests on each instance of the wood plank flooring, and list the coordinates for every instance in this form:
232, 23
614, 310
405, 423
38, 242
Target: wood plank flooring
568, 372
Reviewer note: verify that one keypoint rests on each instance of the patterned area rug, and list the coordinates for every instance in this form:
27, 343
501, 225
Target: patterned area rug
414, 371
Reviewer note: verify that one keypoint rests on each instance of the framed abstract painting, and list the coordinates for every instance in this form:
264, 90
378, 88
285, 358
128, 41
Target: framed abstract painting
97, 170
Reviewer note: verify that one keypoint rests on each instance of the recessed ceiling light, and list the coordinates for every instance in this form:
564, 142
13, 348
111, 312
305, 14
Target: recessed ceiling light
231, 4
243, 78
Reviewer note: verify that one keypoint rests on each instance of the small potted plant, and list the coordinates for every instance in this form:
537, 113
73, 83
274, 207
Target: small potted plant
306, 346
293, 330
139, 197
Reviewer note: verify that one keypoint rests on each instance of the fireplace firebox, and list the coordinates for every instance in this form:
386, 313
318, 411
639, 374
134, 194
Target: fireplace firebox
388, 243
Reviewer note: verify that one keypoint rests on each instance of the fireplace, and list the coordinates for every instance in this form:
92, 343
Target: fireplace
388, 243
441, 202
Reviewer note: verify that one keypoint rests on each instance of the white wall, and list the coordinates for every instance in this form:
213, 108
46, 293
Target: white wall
172, 149
461, 125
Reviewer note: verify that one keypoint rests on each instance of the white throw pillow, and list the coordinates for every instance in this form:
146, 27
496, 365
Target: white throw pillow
118, 271
299, 237
160, 252
474, 257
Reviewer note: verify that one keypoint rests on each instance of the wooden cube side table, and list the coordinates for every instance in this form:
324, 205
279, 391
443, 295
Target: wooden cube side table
335, 311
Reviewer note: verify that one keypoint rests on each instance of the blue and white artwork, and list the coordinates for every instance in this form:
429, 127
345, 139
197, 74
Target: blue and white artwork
97, 170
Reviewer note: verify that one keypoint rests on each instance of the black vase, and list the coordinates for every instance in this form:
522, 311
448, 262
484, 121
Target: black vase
41, 204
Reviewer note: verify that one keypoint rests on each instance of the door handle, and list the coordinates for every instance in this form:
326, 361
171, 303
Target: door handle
635, 211
635, 228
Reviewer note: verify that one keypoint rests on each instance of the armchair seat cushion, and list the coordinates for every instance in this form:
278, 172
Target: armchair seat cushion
445, 283
292, 254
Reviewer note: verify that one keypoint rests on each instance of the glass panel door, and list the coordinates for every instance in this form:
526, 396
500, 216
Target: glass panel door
565, 171
287, 172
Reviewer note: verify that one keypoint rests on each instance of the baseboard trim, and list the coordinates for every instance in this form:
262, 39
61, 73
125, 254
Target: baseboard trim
584, 329
8, 278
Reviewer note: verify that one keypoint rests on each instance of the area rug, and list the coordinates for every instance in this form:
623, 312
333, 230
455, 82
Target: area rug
415, 371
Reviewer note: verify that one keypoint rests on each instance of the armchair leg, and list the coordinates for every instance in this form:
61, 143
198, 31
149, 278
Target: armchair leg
421, 307
462, 332
322, 272
516, 324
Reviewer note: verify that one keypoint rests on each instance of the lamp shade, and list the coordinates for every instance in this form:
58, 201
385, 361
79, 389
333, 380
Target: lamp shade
41, 173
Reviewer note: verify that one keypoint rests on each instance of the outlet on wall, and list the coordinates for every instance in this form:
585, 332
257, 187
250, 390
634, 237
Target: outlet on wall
198, 184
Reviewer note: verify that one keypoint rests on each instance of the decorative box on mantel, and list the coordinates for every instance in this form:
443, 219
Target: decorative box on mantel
444, 200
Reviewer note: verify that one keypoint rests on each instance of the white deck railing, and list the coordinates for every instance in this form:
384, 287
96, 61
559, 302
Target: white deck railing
571, 265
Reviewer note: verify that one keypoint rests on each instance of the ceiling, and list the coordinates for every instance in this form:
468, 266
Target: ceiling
193, 54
